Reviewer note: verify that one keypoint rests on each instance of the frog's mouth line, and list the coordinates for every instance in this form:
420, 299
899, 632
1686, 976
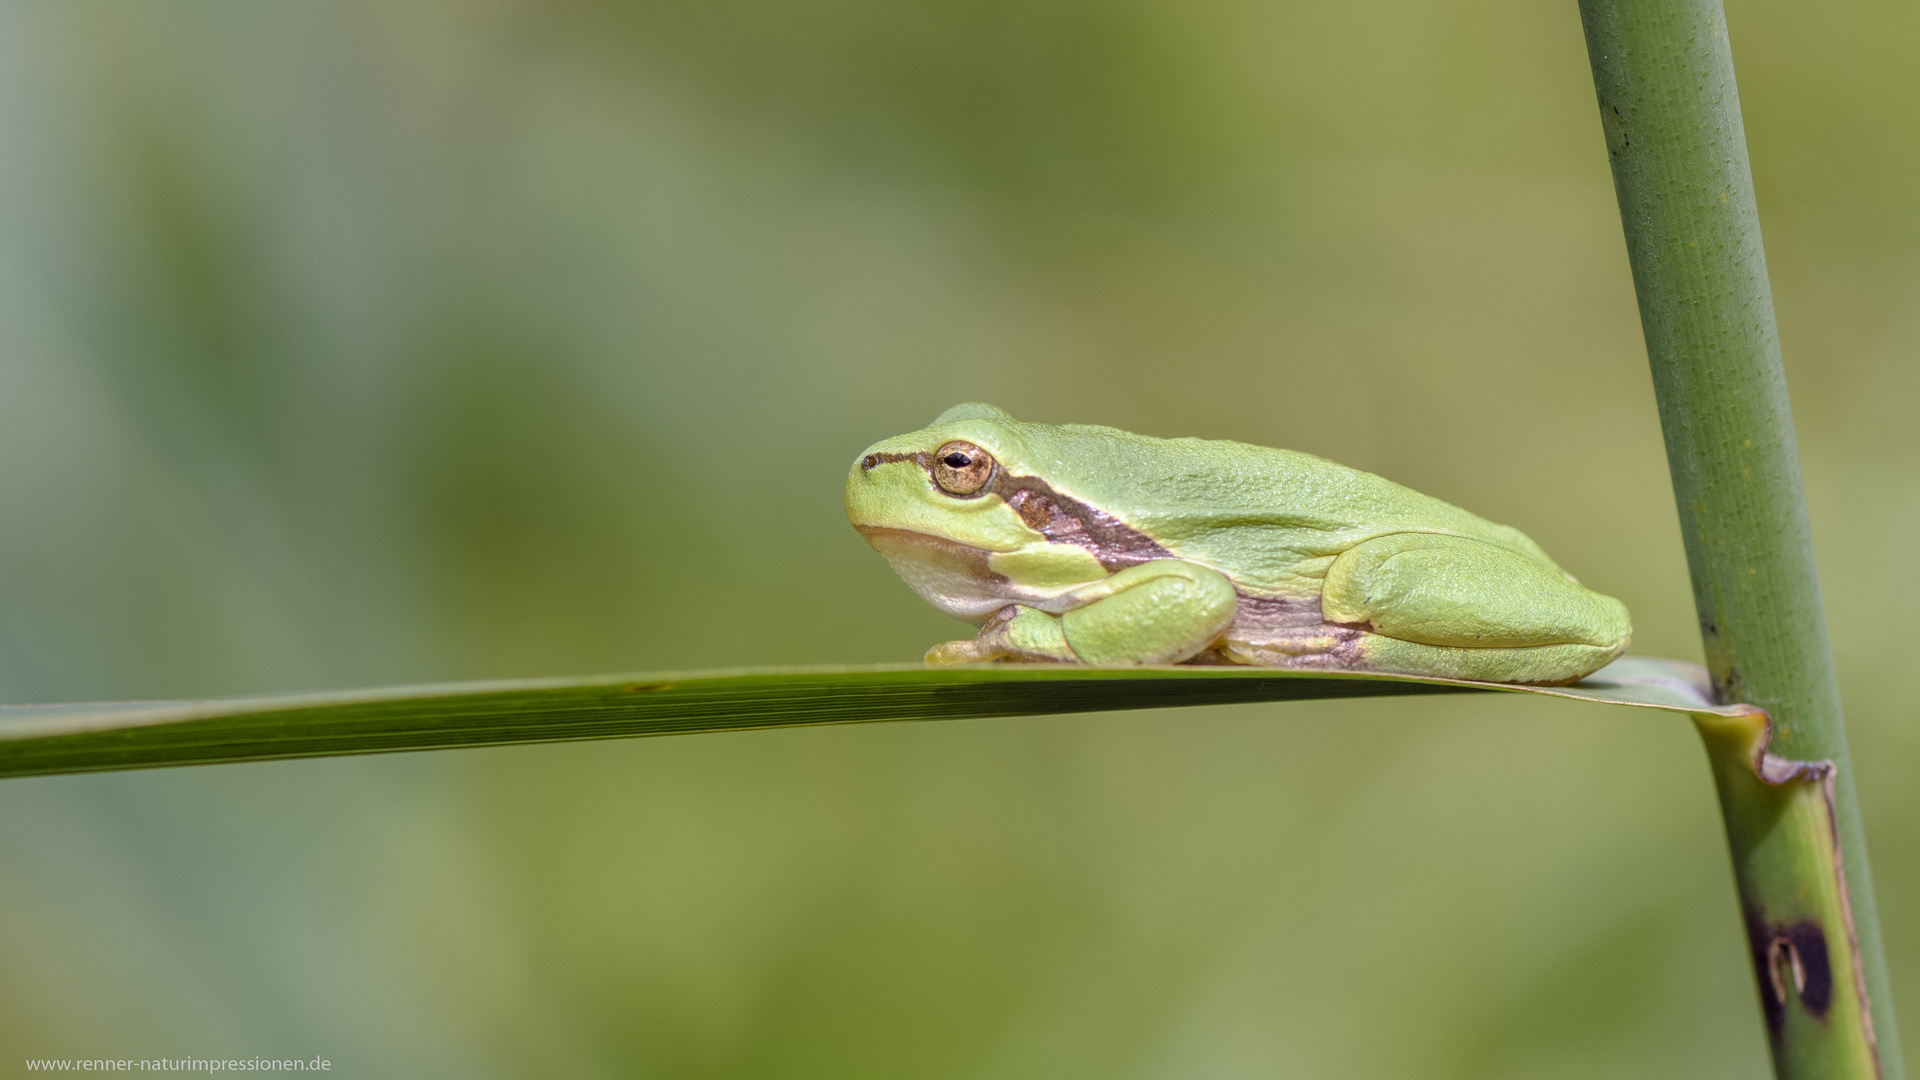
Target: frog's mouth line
974, 558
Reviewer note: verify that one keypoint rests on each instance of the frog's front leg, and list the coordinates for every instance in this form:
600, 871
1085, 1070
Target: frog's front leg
1159, 612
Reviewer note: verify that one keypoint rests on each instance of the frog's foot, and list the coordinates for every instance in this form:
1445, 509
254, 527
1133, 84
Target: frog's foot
1160, 612
1017, 633
1538, 665
949, 653
1346, 648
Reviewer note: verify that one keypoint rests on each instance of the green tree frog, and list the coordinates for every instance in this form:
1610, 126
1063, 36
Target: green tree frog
1083, 544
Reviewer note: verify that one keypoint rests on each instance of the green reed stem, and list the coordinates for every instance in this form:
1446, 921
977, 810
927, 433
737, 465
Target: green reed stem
1671, 113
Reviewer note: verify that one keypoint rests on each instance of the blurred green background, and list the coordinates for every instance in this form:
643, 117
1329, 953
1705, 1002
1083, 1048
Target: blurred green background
359, 343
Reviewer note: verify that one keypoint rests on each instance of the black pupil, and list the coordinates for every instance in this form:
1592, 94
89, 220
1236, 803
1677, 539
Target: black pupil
957, 461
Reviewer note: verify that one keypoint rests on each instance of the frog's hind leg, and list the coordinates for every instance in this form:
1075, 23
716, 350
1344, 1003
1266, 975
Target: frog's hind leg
1452, 606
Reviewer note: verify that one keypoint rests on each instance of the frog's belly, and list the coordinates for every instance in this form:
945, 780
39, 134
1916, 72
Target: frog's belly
956, 578
1288, 632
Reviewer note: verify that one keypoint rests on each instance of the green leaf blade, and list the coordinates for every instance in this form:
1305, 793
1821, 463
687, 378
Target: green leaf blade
47, 739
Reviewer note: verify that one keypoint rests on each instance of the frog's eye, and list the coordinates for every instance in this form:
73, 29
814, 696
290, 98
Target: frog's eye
961, 468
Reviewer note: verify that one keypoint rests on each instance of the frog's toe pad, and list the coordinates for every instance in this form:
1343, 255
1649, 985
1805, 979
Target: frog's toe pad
948, 653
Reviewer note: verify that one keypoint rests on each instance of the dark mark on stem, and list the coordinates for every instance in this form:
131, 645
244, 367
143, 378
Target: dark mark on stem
1790, 956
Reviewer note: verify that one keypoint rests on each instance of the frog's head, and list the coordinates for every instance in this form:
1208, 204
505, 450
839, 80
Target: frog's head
934, 502
940, 482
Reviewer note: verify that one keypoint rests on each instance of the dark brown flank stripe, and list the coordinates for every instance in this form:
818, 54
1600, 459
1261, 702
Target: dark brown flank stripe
1063, 519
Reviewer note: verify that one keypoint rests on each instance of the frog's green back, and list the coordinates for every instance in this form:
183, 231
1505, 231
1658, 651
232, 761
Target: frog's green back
1271, 519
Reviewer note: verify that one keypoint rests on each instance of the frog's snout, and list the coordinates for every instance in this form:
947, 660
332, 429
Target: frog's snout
867, 498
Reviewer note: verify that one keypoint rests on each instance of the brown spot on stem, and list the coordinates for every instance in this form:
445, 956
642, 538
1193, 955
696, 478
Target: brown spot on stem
1791, 962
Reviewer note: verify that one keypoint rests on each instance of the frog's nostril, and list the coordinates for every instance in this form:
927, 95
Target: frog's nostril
868, 462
